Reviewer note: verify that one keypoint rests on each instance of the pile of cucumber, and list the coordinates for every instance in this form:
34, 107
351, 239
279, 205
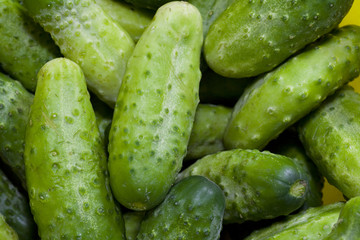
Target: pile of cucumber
158, 119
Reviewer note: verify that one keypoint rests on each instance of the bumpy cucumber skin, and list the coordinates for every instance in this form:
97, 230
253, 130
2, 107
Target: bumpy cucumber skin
132, 223
15, 102
156, 107
151, 4
283, 96
257, 185
134, 20
6, 232
312, 224
65, 161
288, 144
253, 37
89, 37
16, 210
347, 226
24, 46
193, 209
208, 130
330, 137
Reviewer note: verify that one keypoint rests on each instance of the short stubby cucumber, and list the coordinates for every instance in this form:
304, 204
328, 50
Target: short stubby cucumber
347, 226
6, 232
257, 185
280, 98
253, 36
208, 130
151, 4
24, 46
89, 37
331, 138
16, 210
156, 107
15, 102
134, 20
65, 161
133, 221
193, 209
312, 224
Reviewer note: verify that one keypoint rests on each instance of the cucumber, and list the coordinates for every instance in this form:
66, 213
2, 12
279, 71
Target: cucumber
312, 224
15, 102
151, 4
193, 209
330, 137
280, 98
208, 130
253, 36
65, 161
6, 232
134, 20
132, 221
24, 46
257, 185
16, 210
156, 107
347, 226
89, 37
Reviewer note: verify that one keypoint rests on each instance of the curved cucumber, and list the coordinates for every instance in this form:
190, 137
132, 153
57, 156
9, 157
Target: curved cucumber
65, 161
347, 226
15, 104
89, 37
134, 20
193, 209
156, 107
6, 232
312, 224
132, 223
257, 185
24, 46
330, 137
207, 132
283, 96
253, 37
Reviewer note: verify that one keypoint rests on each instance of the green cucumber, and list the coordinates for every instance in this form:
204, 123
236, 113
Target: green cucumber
134, 20
16, 210
132, 221
151, 4
207, 132
24, 46
312, 224
193, 209
15, 102
330, 137
257, 185
280, 98
253, 36
156, 107
89, 37
65, 161
6, 232
347, 226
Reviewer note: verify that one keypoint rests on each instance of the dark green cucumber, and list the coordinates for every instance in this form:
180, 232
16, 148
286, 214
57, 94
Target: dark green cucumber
193, 209
24, 46
134, 20
207, 132
331, 138
132, 223
253, 36
89, 37
257, 185
151, 4
280, 98
6, 232
65, 161
16, 210
15, 104
312, 224
347, 226
156, 107
288, 144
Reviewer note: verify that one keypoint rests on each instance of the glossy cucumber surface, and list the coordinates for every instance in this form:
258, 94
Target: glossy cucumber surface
6, 232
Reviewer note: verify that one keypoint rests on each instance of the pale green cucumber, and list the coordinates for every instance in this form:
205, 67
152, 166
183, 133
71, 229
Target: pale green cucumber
89, 37
156, 107
280, 98
65, 161
6, 232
